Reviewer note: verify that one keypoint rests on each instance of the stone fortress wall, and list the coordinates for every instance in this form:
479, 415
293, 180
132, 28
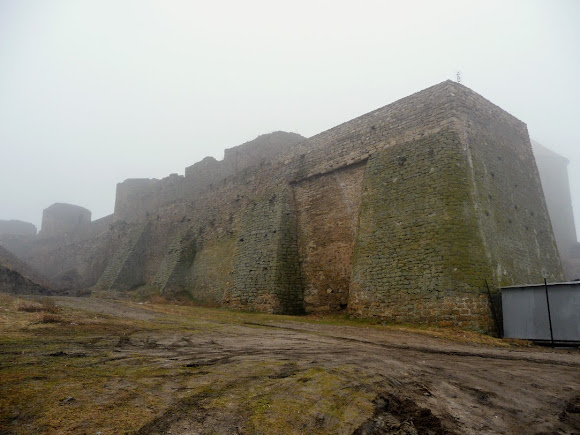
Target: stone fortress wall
402, 213
553, 169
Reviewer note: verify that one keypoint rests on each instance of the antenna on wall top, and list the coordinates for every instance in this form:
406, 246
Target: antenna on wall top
458, 76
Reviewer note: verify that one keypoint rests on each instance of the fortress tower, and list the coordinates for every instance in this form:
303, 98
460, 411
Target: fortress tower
64, 219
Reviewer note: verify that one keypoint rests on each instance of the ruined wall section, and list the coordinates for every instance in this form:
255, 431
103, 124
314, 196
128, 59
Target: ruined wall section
213, 215
327, 207
213, 220
508, 196
293, 159
137, 198
264, 148
78, 263
203, 174
256, 152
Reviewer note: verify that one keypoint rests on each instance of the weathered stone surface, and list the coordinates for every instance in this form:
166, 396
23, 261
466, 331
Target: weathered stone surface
401, 213
11, 261
328, 212
125, 270
61, 220
266, 272
13, 282
18, 277
173, 273
418, 243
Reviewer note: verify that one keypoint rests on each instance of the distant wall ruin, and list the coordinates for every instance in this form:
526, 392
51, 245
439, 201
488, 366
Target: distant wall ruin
64, 219
17, 228
553, 169
17, 236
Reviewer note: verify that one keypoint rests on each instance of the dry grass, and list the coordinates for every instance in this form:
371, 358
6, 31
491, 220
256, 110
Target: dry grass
158, 300
51, 318
45, 305
54, 379
70, 371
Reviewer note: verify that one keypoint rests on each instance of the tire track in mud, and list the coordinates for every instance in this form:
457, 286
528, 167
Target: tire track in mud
422, 384
427, 350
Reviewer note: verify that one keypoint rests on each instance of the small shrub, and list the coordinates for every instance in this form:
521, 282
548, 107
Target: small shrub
29, 307
50, 318
44, 306
48, 306
6, 299
158, 299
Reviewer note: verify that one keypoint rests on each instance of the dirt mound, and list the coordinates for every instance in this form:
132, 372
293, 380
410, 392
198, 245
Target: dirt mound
394, 415
571, 414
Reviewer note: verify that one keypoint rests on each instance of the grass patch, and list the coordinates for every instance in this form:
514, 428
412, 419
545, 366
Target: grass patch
51, 318
73, 371
45, 305
226, 316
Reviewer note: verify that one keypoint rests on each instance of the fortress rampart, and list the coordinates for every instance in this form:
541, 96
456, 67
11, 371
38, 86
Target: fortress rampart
402, 213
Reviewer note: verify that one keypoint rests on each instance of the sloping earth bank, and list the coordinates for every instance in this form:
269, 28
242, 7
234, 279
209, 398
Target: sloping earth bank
118, 367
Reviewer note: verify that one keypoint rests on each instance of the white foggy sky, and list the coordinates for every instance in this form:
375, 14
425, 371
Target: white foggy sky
95, 92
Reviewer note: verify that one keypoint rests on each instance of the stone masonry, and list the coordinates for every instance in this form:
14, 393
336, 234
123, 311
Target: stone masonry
400, 214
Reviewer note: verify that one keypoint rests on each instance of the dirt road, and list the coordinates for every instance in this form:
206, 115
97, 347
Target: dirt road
210, 371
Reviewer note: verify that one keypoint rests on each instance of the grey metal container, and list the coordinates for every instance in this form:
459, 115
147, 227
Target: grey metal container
525, 311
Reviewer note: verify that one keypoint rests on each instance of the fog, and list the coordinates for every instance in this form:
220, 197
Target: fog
95, 92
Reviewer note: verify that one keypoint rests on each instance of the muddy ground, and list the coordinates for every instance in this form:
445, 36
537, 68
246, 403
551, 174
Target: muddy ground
120, 367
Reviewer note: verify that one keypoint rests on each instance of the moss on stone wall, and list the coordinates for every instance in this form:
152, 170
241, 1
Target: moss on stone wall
210, 274
418, 241
328, 208
450, 198
125, 270
266, 273
510, 204
173, 274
